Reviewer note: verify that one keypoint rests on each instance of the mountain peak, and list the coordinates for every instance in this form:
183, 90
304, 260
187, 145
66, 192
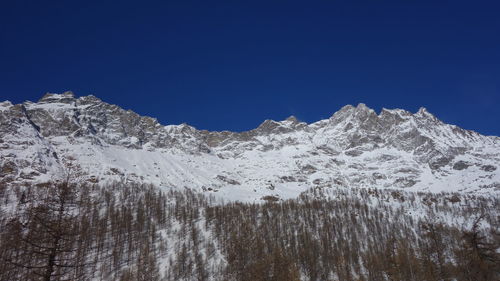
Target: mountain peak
362, 106
423, 112
5, 104
89, 99
65, 97
292, 119
396, 111
267, 125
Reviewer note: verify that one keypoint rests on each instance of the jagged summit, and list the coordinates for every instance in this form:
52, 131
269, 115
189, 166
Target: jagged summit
359, 110
423, 112
53, 97
355, 147
363, 107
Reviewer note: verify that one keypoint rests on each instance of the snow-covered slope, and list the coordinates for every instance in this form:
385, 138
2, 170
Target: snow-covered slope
356, 147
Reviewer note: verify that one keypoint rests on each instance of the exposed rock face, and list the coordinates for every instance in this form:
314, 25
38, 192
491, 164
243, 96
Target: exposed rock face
354, 147
24, 153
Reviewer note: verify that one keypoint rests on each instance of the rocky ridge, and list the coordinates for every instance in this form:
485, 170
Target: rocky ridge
355, 147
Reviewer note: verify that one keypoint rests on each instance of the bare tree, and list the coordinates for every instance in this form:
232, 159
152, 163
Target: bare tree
47, 233
478, 258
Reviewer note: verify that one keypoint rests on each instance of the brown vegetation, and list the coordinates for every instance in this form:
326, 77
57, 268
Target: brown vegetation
125, 232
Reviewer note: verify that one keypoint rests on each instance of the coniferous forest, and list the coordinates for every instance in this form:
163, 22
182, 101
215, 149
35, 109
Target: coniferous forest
125, 231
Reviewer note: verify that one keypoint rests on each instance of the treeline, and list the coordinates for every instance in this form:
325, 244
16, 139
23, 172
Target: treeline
68, 231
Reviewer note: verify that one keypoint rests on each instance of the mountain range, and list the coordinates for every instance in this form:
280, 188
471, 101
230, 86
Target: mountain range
99, 142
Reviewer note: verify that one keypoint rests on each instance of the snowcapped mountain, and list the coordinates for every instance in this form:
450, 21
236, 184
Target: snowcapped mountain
355, 147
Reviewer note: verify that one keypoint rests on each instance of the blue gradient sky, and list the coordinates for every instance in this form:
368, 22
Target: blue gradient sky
231, 64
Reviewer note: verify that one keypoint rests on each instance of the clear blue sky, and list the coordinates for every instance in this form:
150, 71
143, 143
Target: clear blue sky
231, 64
